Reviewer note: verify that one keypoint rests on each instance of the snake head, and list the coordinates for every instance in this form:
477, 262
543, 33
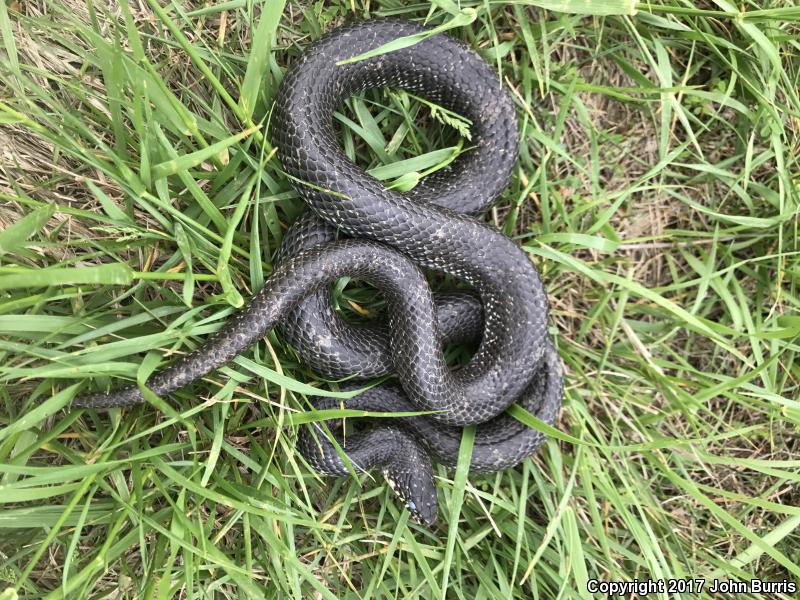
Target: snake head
410, 475
428, 518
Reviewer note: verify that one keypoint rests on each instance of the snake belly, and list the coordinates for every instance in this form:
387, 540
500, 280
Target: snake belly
358, 228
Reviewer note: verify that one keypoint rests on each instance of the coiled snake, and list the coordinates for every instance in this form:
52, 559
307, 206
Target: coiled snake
358, 228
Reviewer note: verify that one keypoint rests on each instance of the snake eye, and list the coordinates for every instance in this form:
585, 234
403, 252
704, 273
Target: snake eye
416, 516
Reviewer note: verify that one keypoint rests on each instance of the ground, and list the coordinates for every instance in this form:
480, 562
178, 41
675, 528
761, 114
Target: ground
656, 191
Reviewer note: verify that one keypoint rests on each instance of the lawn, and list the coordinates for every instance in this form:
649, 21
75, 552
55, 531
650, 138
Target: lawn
141, 202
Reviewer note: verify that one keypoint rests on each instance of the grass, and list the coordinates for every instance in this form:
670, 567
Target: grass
141, 202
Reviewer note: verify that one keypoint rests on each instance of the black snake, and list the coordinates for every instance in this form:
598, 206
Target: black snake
358, 228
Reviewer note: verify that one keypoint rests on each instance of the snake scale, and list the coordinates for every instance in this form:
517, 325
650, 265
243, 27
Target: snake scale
358, 228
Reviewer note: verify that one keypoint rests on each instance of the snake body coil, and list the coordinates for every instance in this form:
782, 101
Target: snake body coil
392, 235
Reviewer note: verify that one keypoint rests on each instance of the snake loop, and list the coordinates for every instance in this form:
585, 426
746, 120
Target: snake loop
394, 235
